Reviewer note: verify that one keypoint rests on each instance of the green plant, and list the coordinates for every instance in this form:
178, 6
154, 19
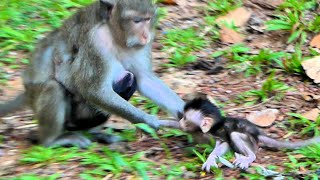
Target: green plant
293, 20
211, 27
221, 7
146, 103
45, 156
297, 120
126, 134
114, 162
270, 88
23, 22
250, 64
35, 177
231, 51
146, 128
161, 13
292, 62
308, 158
298, 5
181, 43
168, 132
254, 64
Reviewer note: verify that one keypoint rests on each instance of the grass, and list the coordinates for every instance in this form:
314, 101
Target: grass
34, 177
250, 64
100, 161
23, 22
291, 17
222, 7
181, 43
307, 159
307, 126
45, 156
146, 104
271, 87
264, 60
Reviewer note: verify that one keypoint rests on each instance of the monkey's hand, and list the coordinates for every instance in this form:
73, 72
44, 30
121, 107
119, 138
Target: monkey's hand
211, 162
170, 123
154, 122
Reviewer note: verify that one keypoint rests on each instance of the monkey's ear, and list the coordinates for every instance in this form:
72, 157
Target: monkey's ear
106, 7
206, 124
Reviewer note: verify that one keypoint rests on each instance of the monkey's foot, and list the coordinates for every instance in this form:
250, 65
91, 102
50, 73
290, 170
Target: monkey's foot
70, 139
105, 138
242, 161
211, 162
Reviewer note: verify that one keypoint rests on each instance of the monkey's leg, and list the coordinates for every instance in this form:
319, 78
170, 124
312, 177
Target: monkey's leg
244, 145
219, 150
51, 108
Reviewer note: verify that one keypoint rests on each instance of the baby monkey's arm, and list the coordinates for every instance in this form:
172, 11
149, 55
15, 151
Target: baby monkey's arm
219, 150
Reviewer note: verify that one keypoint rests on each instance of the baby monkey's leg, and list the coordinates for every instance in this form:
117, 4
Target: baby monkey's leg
245, 146
219, 150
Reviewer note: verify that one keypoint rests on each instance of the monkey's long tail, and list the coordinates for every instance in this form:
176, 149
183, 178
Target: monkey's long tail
273, 143
14, 105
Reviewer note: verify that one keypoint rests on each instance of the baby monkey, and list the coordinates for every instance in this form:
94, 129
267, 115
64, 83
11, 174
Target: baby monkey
237, 134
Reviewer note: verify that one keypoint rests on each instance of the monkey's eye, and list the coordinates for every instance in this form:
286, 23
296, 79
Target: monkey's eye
147, 19
137, 20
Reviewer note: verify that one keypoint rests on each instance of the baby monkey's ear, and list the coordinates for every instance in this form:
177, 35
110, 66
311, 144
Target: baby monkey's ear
206, 124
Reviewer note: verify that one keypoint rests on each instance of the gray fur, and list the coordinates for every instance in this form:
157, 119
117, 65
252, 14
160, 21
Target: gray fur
73, 69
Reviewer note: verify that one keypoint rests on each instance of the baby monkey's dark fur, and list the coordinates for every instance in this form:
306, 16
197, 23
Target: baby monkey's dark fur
238, 134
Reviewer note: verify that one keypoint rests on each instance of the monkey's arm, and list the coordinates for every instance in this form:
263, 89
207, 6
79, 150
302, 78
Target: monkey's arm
219, 150
111, 102
170, 123
151, 86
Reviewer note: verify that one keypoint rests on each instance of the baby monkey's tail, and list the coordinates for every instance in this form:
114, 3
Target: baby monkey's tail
14, 105
273, 143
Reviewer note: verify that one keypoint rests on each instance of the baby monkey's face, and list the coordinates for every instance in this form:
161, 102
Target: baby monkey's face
191, 120
194, 121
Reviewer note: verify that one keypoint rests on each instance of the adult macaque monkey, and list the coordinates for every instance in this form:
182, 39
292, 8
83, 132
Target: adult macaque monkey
89, 67
240, 135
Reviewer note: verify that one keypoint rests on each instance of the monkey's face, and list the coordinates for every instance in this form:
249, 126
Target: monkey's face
194, 121
136, 22
139, 29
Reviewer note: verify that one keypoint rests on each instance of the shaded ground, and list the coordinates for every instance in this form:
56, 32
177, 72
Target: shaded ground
223, 86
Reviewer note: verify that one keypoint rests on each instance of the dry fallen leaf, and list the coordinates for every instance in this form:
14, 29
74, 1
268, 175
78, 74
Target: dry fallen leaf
179, 82
230, 36
307, 96
169, 2
310, 96
263, 118
312, 68
312, 115
315, 42
239, 17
